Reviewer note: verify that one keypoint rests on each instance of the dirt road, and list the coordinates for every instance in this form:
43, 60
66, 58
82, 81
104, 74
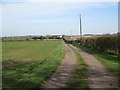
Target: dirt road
62, 75
98, 76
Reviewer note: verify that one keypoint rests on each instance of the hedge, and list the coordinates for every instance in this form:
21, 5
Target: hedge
110, 43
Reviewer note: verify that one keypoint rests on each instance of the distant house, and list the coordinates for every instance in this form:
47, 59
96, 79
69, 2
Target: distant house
57, 36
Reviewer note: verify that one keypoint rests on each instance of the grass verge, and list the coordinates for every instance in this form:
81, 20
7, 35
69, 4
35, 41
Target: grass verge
110, 60
78, 78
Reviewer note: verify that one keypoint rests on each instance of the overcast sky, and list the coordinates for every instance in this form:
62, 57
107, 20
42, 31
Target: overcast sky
25, 17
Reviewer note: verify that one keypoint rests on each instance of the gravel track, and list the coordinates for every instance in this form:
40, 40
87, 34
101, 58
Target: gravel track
60, 78
98, 76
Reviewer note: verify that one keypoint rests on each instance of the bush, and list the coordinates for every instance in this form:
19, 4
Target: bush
109, 43
104, 43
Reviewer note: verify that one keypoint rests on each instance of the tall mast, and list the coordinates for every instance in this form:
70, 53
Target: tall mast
80, 27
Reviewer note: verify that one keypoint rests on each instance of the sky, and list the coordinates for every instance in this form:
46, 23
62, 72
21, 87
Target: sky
30, 17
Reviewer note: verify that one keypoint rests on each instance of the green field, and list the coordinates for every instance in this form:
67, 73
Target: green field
29, 63
16, 38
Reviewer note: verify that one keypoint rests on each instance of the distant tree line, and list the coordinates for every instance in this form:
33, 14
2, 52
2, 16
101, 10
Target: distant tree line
46, 37
6, 39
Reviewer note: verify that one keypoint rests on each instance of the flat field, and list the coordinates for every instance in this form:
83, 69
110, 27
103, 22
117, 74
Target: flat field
16, 38
29, 63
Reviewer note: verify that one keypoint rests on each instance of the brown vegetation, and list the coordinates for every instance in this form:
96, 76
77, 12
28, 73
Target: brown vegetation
108, 43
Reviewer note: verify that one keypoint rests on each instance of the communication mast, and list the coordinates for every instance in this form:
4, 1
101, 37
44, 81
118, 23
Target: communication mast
80, 27
80, 30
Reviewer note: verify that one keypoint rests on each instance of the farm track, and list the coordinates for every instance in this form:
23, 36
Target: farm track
60, 78
98, 76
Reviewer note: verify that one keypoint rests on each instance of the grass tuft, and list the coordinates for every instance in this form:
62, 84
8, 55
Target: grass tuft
78, 78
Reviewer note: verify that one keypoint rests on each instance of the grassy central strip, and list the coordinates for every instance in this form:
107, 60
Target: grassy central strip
78, 79
33, 74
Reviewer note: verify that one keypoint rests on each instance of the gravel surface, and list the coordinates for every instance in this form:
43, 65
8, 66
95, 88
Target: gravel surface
60, 78
98, 76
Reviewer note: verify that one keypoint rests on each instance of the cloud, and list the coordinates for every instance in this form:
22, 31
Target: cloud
13, 1
30, 15
42, 11
48, 20
33, 13
55, 16
73, 0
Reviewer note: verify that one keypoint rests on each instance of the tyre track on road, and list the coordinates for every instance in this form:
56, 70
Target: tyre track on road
60, 78
98, 76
